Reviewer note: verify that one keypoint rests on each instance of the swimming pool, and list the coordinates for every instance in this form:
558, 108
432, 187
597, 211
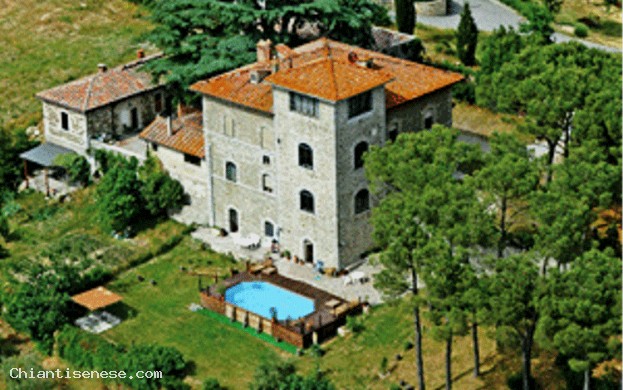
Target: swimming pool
260, 297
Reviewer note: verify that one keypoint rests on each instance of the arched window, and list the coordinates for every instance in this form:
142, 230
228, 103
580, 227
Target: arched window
307, 201
231, 171
306, 156
269, 229
360, 149
362, 201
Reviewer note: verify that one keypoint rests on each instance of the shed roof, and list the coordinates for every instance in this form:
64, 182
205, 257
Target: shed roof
45, 154
96, 298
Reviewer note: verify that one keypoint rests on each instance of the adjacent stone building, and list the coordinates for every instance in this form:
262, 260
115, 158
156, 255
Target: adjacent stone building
107, 105
285, 137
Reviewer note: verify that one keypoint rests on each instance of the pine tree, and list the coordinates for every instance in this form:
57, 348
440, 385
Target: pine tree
405, 15
467, 37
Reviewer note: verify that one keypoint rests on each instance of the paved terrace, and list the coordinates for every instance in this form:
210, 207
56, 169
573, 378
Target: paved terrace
304, 273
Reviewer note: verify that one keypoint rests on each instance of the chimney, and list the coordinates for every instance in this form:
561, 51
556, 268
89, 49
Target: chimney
263, 47
140, 54
169, 126
102, 68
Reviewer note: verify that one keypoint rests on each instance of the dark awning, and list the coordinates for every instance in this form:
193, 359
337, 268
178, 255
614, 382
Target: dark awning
45, 154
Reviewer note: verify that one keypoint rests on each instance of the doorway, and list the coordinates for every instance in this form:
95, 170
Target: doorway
308, 249
233, 221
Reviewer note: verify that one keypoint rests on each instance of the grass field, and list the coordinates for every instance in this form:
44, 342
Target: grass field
46, 43
161, 315
41, 227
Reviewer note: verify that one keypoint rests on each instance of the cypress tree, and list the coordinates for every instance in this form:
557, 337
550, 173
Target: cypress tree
467, 37
405, 15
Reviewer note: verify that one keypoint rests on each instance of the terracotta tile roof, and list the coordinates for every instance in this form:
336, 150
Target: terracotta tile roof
409, 80
187, 133
96, 298
329, 79
102, 88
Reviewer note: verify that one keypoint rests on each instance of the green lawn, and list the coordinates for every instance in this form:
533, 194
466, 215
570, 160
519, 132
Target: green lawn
46, 43
161, 315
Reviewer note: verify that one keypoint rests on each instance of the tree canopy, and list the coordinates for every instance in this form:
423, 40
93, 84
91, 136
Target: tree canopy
201, 38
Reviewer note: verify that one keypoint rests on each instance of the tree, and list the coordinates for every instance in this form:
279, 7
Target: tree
515, 289
405, 15
169, 361
550, 85
160, 192
539, 24
499, 48
507, 179
40, 305
26, 362
406, 174
445, 274
118, 198
201, 38
212, 384
282, 375
467, 37
12, 144
582, 311
77, 167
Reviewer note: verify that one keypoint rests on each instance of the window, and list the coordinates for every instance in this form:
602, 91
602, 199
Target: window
134, 118
64, 121
154, 147
360, 104
158, 103
362, 201
266, 160
306, 156
192, 159
302, 104
267, 186
428, 120
307, 201
233, 220
269, 229
360, 149
230, 171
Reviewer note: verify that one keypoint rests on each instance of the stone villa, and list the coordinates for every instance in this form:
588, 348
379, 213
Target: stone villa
278, 145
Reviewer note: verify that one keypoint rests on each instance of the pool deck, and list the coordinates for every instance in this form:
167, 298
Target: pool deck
322, 313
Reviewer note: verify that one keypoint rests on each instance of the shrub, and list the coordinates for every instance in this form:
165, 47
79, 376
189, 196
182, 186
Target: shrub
118, 198
355, 324
316, 351
162, 193
581, 30
465, 92
212, 384
77, 167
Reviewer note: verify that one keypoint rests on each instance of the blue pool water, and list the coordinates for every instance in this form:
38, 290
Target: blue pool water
260, 297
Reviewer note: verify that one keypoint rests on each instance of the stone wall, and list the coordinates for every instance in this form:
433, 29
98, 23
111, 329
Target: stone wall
355, 232
75, 137
431, 8
319, 228
410, 116
193, 178
245, 138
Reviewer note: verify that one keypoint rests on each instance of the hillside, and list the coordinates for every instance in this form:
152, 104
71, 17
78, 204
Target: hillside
44, 43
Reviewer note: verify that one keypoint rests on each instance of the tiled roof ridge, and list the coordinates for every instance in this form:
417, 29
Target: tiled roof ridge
85, 104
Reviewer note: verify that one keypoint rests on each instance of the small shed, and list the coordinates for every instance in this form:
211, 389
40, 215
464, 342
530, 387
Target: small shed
43, 155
